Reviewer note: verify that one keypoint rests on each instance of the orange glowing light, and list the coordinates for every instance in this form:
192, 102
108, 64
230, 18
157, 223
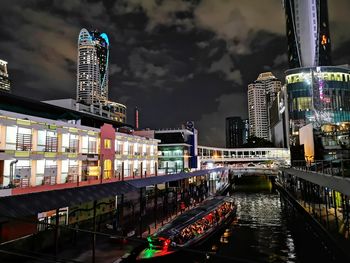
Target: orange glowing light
324, 40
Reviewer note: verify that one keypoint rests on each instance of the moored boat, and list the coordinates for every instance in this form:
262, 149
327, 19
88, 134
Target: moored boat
191, 228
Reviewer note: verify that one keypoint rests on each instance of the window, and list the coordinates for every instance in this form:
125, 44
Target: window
24, 139
70, 143
136, 149
89, 144
107, 144
11, 133
107, 167
47, 141
302, 103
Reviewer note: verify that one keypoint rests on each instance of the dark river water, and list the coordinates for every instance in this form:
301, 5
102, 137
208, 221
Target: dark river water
266, 230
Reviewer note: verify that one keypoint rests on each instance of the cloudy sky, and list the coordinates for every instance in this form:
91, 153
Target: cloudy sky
176, 60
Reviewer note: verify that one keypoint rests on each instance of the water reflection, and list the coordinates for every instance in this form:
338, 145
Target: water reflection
260, 232
266, 230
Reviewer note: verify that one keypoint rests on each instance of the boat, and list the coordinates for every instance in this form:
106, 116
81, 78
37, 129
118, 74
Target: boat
191, 228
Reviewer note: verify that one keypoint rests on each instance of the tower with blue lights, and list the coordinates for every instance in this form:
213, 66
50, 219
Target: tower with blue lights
92, 68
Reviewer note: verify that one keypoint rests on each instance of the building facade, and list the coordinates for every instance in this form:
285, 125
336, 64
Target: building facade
261, 93
92, 68
38, 152
236, 131
320, 96
4, 77
278, 118
177, 148
307, 31
111, 110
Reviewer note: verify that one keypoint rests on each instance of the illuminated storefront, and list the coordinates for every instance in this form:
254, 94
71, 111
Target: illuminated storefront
320, 96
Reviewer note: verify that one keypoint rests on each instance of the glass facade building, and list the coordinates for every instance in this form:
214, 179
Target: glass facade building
320, 96
92, 71
307, 29
236, 132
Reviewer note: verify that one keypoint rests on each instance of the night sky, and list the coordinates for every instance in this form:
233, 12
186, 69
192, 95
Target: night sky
176, 60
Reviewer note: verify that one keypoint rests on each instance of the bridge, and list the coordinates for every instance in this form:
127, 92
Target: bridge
242, 155
245, 161
249, 170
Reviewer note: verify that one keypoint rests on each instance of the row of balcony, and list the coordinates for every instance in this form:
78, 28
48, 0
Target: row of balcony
21, 181
72, 140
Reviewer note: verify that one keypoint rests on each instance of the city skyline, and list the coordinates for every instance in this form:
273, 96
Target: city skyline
162, 56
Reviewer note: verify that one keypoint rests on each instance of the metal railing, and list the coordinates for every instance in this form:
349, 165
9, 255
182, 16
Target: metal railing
336, 167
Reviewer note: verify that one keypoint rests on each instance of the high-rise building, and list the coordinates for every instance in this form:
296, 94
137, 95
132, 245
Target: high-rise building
4, 77
320, 97
307, 33
236, 132
92, 69
261, 93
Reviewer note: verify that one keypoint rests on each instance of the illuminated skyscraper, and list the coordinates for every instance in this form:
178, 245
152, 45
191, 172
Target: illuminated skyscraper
92, 75
261, 93
4, 77
307, 33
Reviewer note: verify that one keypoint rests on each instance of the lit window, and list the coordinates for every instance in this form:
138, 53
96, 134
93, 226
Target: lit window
107, 144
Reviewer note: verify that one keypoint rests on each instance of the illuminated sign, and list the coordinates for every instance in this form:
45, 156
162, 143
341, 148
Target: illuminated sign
94, 171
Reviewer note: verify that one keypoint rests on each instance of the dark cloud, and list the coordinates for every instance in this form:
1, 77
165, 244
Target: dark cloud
176, 60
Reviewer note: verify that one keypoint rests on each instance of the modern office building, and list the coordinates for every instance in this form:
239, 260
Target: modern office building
261, 93
4, 77
321, 96
177, 148
307, 31
92, 68
236, 132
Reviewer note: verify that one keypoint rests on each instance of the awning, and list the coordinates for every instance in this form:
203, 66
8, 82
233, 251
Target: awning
139, 183
32, 204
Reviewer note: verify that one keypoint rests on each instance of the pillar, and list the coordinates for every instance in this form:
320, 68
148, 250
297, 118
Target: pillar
155, 205
57, 230
32, 180
335, 210
141, 210
122, 170
94, 232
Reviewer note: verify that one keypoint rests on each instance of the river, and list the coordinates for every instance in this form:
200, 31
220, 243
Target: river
266, 230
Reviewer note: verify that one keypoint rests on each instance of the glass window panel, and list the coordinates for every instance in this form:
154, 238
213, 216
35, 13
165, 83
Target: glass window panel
65, 140
24, 130
11, 132
41, 137
40, 166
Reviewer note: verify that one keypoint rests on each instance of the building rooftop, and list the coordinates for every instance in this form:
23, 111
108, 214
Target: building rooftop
340, 68
13, 103
266, 76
